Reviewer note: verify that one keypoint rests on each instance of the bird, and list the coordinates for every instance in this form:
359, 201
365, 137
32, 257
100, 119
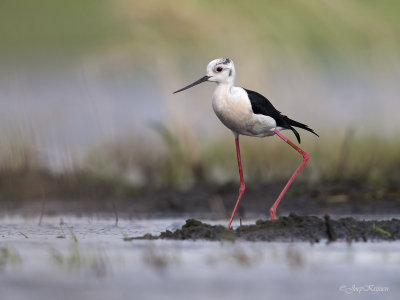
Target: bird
246, 112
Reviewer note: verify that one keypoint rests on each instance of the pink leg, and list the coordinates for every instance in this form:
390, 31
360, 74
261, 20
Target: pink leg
303, 163
242, 186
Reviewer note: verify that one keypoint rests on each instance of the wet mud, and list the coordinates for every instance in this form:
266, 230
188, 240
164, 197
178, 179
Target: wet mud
213, 201
290, 229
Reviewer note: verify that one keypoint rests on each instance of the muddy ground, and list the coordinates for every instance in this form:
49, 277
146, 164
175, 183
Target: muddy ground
216, 202
292, 228
207, 200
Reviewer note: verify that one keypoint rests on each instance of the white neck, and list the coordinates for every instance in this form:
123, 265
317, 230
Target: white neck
224, 86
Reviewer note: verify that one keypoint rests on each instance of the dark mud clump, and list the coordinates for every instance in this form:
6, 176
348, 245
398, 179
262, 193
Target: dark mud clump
194, 230
292, 228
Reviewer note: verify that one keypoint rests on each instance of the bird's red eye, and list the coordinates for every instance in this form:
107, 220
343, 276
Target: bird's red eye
219, 69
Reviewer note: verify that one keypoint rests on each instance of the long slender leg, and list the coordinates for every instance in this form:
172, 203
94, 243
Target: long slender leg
242, 185
303, 163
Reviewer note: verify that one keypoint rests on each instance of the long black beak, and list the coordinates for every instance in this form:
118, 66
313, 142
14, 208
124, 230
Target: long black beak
205, 78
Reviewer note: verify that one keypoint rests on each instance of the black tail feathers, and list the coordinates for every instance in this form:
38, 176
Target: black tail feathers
294, 123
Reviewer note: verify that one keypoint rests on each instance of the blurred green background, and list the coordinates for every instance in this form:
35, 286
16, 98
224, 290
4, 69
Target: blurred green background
86, 87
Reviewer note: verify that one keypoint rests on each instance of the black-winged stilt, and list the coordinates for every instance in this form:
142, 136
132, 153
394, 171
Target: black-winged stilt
248, 113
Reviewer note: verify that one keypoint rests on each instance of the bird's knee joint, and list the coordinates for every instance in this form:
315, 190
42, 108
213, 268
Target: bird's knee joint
242, 188
306, 157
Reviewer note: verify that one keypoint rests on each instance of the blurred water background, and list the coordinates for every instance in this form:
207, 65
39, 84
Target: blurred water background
88, 85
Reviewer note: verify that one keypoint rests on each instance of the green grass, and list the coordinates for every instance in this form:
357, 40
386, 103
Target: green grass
74, 258
179, 29
56, 28
379, 229
9, 258
107, 170
108, 167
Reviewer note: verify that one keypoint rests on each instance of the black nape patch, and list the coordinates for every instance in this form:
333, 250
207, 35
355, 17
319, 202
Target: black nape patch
230, 72
226, 61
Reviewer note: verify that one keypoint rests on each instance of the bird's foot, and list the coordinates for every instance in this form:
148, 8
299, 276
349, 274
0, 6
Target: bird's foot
272, 212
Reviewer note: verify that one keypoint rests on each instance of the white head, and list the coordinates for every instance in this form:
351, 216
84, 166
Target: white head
220, 70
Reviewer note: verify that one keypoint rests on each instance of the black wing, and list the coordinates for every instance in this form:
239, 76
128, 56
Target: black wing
262, 106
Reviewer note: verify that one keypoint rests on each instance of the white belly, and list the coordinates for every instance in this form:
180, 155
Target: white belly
234, 110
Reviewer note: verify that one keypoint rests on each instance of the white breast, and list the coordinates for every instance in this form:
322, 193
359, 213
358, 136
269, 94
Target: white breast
233, 108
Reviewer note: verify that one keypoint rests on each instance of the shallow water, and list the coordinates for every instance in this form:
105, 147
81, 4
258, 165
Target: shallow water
87, 258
